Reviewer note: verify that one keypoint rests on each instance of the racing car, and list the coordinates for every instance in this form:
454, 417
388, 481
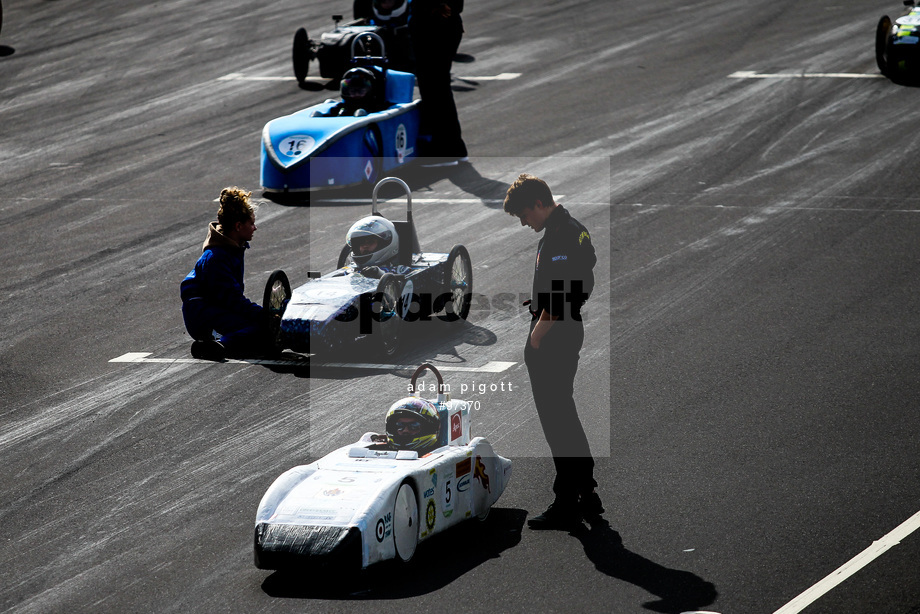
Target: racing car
374, 31
378, 498
372, 130
371, 294
897, 45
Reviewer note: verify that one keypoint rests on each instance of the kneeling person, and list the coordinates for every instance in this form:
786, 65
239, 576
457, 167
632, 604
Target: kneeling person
212, 292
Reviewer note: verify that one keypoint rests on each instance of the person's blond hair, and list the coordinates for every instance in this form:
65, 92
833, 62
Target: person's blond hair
235, 206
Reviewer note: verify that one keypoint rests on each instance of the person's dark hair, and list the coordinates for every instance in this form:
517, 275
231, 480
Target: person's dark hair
525, 192
235, 206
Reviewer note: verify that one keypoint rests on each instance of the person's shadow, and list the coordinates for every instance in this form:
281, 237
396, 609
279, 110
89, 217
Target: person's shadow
677, 591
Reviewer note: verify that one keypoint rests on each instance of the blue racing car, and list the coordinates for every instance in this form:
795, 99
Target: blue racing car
372, 130
383, 281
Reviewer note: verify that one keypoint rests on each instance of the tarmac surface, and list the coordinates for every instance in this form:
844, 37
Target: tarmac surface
750, 378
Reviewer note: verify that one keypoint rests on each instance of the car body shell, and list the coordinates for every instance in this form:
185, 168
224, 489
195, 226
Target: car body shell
333, 311
340, 508
307, 151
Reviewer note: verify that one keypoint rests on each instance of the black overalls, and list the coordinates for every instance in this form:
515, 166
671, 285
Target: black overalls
563, 280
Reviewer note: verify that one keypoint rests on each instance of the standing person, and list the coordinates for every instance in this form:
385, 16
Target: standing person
212, 293
435, 29
563, 280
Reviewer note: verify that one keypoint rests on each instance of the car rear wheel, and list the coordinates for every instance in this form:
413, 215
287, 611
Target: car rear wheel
457, 291
301, 55
274, 301
405, 522
881, 44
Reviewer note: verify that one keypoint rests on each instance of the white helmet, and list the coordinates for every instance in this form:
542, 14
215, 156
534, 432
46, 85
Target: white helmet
379, 235
385, 10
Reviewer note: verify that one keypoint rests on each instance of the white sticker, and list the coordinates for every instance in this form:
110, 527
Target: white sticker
402, 139
296, 145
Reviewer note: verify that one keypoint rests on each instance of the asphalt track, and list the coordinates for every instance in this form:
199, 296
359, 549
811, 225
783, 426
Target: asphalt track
750, 379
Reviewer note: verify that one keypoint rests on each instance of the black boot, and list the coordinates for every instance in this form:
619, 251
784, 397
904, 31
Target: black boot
560, 515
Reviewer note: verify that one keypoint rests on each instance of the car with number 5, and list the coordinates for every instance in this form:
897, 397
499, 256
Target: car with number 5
380, 497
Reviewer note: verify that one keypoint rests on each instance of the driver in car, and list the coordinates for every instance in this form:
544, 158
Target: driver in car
412, 423
374, 246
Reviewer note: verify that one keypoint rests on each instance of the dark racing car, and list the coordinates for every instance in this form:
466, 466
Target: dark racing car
897, 44
383, 280
379, 29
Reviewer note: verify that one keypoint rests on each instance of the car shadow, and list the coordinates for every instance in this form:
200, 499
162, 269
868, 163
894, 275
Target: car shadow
677, 591
419, 179
415, 347
471, 544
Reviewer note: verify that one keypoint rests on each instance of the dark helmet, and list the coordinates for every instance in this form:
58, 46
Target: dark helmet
385, 10
413, 424
359, 88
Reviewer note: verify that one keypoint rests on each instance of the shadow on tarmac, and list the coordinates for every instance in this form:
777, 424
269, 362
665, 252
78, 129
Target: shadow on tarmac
416, 346
471, 544
677, 591
419, 178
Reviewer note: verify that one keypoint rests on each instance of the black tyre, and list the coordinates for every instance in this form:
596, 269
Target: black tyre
301, 55
388, 319
344, 257
457, 287
373, 151
274, 301
881, 44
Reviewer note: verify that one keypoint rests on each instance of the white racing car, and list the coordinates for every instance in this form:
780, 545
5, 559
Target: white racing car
377, 498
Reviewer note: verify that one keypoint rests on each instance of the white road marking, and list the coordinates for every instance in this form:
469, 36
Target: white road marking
750, 74
447, 200
505, 76
238, 76
494, 366
852, 566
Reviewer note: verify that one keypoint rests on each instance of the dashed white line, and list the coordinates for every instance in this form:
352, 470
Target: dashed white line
494, 366
852, 566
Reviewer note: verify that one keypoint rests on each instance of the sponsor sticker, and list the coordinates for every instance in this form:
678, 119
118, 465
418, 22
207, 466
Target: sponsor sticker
464, 467
400, 143
456, 427
480, 474
431, 515
384, 527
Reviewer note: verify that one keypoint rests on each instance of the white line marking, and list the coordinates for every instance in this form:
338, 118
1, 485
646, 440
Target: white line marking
494, 366
238, 76
750, 74
505, 76
852, 566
